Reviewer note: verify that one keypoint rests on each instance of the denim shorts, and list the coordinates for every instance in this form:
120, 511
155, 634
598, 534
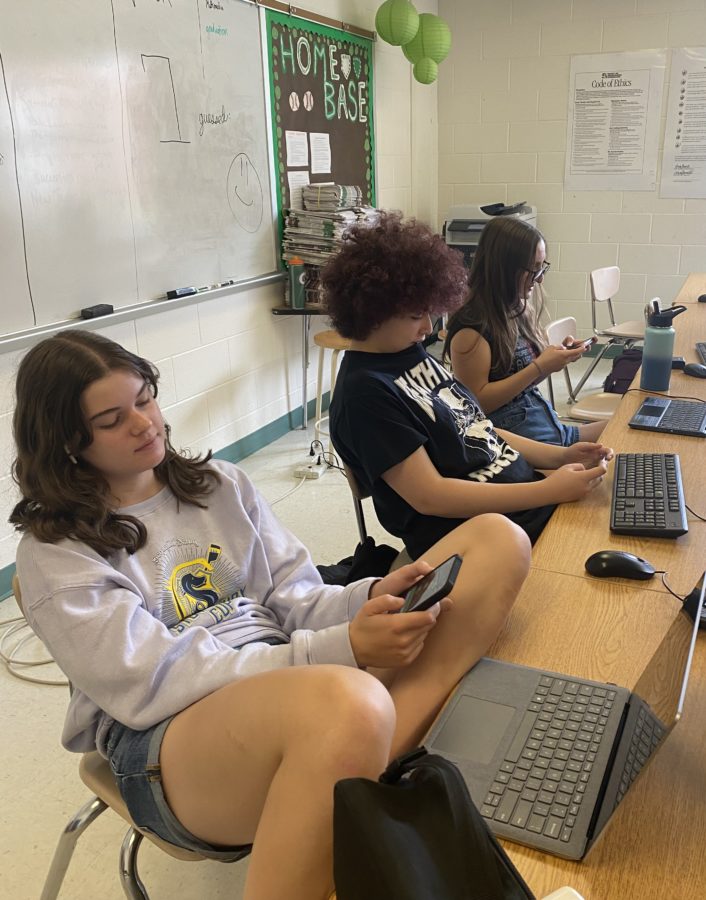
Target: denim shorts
531, 416
134, 760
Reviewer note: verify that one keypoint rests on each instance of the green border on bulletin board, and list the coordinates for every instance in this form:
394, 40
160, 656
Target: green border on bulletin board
296, 25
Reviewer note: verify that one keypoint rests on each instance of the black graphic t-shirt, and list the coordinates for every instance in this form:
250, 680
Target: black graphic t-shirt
387, 405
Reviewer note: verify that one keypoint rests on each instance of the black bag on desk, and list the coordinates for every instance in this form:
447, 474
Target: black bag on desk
416, 835
623, 371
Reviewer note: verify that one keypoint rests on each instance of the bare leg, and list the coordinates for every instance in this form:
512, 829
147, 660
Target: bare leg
591, 431
496, 557
258, 759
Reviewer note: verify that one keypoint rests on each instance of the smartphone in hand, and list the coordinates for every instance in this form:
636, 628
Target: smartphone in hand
433, 587
578, 345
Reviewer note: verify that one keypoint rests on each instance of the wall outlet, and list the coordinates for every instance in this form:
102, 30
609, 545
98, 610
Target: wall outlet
310, 470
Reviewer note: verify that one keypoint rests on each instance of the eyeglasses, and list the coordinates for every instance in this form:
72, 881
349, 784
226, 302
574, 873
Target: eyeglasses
541, 271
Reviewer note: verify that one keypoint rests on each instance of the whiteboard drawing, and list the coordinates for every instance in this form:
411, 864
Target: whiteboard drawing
245, 193
163, 70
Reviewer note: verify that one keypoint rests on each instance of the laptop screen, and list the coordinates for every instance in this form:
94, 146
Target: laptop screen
663, 683
662, 687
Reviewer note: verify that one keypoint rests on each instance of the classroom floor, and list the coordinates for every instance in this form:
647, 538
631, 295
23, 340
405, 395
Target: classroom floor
39, 781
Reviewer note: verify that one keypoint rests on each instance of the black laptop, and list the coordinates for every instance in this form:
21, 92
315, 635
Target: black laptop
548, 757
672, 416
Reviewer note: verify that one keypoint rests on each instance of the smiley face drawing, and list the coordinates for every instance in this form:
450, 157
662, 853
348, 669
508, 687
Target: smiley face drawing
245, 193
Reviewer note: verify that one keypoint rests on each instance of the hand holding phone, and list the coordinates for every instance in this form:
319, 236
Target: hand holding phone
582, 345
433, 587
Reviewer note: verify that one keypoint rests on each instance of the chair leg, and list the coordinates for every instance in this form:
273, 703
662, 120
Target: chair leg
589, 371
360, 519
67, 843
133, 888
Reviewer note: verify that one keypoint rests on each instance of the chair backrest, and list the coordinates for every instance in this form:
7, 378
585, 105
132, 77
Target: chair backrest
560, 329
605, 283
556, 332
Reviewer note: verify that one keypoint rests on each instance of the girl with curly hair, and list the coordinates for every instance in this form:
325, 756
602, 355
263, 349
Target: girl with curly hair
495, 341
416, 438
228, 687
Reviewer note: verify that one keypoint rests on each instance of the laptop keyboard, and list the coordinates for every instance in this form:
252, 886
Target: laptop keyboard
647, 496
701, 351
541, 783
647, 734
683, 414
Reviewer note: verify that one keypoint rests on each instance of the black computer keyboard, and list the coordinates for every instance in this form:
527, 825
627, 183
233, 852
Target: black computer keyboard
648, 498
701, 351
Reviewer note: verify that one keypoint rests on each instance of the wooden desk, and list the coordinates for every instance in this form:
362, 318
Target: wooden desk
652, 847
693, 287
564, 620
576, 530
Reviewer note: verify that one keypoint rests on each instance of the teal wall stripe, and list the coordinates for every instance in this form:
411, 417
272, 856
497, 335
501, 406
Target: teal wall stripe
233, 453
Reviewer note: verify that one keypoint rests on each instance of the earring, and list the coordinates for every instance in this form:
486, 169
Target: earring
72, 458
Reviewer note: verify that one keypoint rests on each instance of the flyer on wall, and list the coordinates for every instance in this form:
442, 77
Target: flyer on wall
684, 158
613, 122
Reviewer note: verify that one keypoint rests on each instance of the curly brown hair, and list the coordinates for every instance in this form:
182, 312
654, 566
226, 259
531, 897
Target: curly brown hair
63, 499
388, 269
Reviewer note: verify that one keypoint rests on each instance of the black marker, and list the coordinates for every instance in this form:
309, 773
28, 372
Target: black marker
181, 292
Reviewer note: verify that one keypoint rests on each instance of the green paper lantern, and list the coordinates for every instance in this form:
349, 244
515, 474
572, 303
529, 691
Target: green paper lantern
396, 21
432, 40
425, 70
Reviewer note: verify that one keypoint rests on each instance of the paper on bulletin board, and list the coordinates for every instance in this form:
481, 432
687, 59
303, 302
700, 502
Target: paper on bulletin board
684, 157
613, 124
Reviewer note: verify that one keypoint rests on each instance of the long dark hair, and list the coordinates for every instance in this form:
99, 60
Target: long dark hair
506, 250
63, 499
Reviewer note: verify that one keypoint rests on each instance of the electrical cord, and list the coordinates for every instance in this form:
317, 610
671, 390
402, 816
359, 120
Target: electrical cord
661, 394
693, 513
11, 628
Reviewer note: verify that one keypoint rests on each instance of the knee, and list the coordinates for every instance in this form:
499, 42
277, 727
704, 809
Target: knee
492, 538
358, 713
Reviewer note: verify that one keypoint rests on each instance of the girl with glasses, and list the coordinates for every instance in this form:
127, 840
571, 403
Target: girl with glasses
495, 342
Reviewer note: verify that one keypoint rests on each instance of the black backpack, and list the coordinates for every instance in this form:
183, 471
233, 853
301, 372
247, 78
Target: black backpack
416, 835
623, 371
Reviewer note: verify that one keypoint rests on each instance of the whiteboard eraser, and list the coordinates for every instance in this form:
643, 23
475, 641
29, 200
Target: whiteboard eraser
100, 309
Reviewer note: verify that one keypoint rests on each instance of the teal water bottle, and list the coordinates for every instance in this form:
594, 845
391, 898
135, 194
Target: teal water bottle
659, 349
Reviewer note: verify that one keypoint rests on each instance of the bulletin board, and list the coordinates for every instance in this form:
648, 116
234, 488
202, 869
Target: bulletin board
321, 94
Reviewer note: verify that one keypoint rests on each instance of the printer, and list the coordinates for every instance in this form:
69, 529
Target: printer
463, 227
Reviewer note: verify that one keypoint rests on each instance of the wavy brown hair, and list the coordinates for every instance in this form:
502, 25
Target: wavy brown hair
506, 250
62, 499
392, 268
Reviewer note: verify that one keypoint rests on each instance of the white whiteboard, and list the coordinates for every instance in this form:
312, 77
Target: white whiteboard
133, 153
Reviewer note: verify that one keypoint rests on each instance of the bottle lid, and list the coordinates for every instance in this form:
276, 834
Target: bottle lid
663, 318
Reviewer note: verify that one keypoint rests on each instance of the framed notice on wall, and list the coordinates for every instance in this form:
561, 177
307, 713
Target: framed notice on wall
321, 92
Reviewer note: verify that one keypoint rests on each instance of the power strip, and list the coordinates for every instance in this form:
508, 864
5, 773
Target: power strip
310, 470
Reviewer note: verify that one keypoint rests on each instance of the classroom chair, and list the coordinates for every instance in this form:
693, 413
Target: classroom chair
604, 286
96, 774
326, 340
593, 407
359, 495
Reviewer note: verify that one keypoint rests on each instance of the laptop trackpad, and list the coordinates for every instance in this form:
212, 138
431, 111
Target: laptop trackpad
461, 737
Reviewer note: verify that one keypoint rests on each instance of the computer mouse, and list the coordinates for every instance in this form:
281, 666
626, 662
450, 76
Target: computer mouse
696, 369
618, 564
701, 298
